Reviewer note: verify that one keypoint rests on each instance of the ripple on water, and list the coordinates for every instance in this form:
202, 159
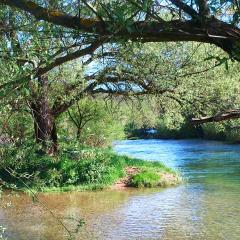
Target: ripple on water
205, 207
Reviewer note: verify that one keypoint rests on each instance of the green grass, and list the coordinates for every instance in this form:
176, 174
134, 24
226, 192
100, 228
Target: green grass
145, 179
76, 168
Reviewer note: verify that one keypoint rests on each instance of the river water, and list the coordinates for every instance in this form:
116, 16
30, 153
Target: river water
205, 206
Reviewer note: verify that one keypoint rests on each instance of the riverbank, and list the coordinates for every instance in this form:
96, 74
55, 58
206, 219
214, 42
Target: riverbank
80, 168
137, 177
208, 131
207, 207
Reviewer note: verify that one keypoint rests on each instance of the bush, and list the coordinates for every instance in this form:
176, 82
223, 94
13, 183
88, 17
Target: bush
214, 131
93, 171
184, 131
75, 166
233, 136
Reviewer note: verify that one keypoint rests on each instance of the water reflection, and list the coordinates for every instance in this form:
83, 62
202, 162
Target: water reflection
206, 207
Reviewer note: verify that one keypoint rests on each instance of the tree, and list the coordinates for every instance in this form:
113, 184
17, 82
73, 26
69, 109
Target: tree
38, 48
27, 57
83, 113
144, 21
147, 21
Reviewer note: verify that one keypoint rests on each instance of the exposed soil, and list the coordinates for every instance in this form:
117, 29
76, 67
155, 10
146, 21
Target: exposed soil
167, 179
123, 183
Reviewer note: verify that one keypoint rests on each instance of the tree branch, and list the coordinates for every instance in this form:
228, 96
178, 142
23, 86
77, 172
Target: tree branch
57, 62
69, 57
222, 116
58, 109
186, 8
223, 35
204, 10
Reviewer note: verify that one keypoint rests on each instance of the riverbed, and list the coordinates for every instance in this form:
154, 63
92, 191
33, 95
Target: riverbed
205, 206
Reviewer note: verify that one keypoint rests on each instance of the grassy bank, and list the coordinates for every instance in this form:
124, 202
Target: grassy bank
78, 168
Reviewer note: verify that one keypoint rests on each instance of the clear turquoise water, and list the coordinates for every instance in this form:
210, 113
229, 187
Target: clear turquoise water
199, 161
206, 206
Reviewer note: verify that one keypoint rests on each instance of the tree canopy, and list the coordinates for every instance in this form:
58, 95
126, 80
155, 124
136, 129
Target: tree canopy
214, 22
40, 40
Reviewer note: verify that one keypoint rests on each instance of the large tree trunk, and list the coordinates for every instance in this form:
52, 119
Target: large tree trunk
45, 129
44, 120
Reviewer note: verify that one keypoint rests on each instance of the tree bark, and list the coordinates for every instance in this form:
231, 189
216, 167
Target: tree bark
45, 129
78, 133
44, 120
222, 116
211, 30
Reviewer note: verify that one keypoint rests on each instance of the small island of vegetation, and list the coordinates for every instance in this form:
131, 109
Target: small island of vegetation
79, 168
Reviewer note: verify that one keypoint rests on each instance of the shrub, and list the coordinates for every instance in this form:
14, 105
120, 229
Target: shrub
93, 171
53, 178
214, 131
74, 166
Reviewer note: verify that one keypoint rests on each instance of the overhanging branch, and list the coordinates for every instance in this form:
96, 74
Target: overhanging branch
222, 116
223, 35
38, 72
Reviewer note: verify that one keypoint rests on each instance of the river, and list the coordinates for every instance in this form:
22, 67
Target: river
205, 206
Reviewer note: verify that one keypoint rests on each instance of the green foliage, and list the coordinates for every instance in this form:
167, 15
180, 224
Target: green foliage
200, 89
75, 166
145, 179
37, 170
93, 122
214, 131
131, 129
233, 136
184, 130
54, 177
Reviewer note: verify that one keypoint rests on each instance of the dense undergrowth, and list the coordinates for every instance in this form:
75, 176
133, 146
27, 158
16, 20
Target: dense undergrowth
75, 167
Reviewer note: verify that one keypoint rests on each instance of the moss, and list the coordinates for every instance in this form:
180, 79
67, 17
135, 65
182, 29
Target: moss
88, 21
55, 13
